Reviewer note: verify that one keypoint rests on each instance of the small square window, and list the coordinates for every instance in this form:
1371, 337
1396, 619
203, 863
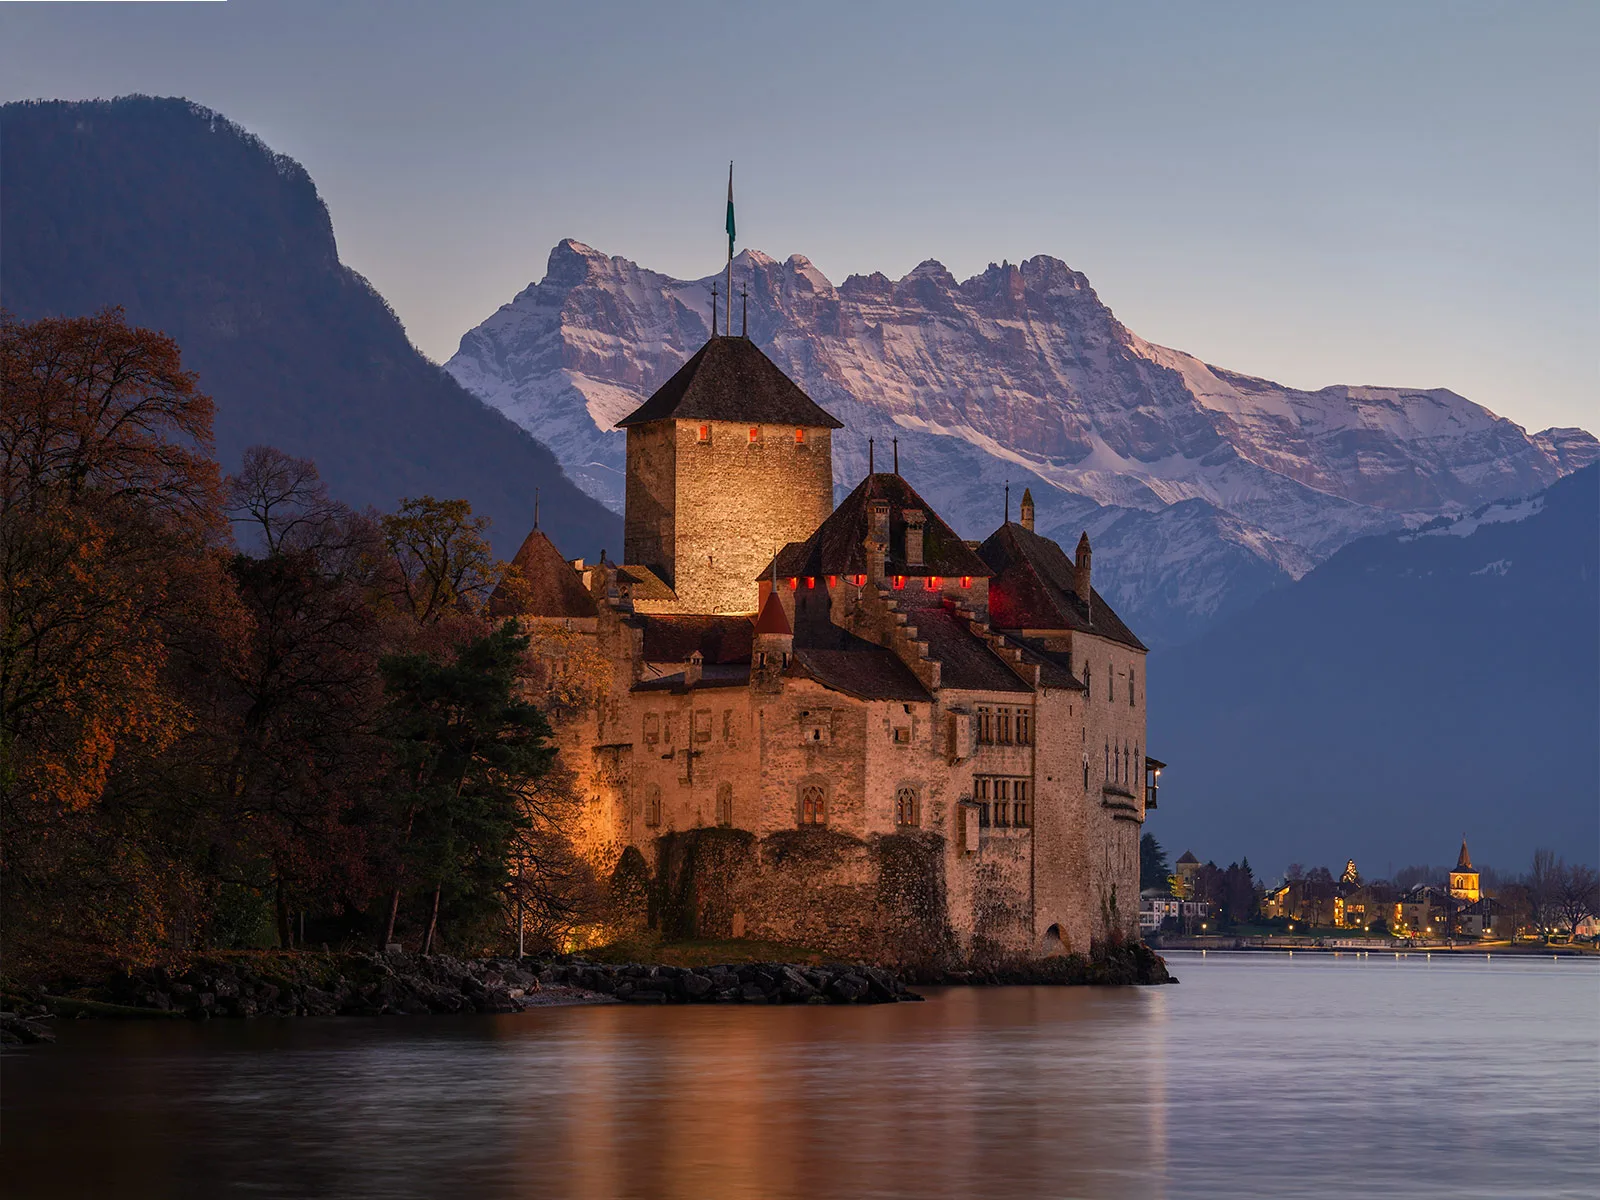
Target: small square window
902, 735
705, 433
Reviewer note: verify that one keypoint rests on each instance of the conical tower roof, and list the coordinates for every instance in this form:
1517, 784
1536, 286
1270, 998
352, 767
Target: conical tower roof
549, 586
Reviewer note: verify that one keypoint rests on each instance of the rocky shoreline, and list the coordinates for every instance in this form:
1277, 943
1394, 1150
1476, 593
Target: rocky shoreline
371, 984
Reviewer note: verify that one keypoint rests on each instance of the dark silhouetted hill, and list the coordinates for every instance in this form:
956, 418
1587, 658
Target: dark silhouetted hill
197, 228
1412, 688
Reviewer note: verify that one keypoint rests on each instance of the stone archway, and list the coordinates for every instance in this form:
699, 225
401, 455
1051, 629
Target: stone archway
1053, 942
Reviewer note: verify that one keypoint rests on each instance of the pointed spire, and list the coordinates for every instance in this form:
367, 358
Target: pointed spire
897, 456
773, 620
1464, 862
1025, 512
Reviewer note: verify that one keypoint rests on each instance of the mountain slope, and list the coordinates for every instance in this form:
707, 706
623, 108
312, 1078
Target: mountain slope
1412, 687
196, 228
1022, 373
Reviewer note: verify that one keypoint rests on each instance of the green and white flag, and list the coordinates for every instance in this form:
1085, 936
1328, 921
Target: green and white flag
730, 210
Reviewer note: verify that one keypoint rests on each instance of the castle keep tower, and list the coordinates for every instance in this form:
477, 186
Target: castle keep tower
727, 463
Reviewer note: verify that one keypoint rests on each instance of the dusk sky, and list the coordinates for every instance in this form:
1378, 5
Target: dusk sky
1405, 195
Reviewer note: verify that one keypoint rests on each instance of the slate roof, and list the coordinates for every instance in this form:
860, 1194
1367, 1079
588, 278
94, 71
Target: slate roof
645, 583
549, 585
721, 640
730, 379
864, 671
1032, 588
1055, 667
967, 661
838, 545
1188, 857
1464, 861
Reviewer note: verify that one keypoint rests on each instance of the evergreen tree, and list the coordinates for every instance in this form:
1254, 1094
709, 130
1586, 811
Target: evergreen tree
1153, 869
468, 748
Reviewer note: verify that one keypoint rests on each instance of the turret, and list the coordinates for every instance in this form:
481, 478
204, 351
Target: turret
1027, 509
1080, 575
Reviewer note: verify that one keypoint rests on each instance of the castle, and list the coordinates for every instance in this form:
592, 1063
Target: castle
842, 727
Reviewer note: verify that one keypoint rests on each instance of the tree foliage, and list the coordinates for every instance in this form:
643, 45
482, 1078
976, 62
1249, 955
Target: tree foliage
232, 711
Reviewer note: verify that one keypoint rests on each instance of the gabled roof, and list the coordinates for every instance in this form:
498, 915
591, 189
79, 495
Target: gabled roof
643, 583
1032, 588
1055, 668
838, 547
729, 379
721, 640
966, 660
545, 584
862, 670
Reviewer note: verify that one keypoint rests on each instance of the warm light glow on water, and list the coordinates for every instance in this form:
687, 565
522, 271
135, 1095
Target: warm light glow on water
1257, 1076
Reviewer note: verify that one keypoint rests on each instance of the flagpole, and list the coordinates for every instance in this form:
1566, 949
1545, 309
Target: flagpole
728, 316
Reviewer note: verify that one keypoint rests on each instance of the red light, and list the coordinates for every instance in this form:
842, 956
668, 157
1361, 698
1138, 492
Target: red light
899, 581
793, 583
799, 436
811, 581
833, 581
754, 433
931, 583
861, 581
966, 581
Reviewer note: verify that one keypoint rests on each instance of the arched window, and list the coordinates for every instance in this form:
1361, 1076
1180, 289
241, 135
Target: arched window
652, 805
907, 810
813, 804
724, 804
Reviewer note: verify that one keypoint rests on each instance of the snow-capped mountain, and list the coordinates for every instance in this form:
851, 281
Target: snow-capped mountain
1204, 487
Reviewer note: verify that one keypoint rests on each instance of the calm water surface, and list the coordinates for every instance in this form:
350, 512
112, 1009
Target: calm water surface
1257, 1076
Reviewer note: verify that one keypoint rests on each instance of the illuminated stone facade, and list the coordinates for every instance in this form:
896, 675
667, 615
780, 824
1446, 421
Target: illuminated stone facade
881, 741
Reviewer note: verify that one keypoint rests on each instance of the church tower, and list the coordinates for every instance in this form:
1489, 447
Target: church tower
1464, 880
728, 462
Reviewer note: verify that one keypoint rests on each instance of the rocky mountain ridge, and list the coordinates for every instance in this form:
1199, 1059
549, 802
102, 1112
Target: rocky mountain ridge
1203, 487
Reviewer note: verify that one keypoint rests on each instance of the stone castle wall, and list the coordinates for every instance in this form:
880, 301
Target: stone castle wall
749, 498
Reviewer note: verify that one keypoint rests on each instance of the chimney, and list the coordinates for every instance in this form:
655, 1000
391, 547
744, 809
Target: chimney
914, 519
1080, 576
693, 668
1027, 509
877, 540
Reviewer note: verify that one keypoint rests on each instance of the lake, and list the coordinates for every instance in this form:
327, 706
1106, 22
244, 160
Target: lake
1258, 1075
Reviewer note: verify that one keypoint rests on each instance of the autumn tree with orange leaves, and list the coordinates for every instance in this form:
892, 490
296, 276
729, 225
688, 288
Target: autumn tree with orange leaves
110, 538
